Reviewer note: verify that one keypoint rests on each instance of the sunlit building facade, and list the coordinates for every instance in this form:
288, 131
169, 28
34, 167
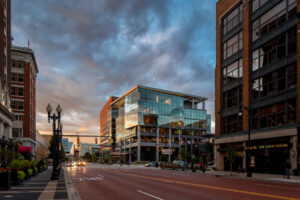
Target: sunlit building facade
151, 121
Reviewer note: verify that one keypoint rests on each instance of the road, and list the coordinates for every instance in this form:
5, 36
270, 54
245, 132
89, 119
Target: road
117, 183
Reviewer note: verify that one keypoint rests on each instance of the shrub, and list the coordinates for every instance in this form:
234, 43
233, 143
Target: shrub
32, 164
296, 172
20, 157
15, 165
30, 172
35, 170
21, 175
45, 166
25, 164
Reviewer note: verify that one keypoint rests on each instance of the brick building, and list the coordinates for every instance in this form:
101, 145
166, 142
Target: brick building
257, 83
108, 115
23, 95
5, 57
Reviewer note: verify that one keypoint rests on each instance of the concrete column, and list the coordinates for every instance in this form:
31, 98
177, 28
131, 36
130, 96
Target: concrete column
192, 145
170, 145
157, 145
139, 144
293, 152
1, 130
244, 156
219, 158
193, 103
130, 155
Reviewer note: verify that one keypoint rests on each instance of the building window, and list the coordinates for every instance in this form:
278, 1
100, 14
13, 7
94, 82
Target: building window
13, 63
20, 105
21, 78
13, 91
13, 105
233, 19
233, 45
20, 92
273, 19
274, 115
258, 3
233, 72
18, 117
232, 124
13, 77
20, 64
269, 52
232, 98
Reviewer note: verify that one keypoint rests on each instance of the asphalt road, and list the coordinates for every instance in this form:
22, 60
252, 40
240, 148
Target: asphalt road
117, 183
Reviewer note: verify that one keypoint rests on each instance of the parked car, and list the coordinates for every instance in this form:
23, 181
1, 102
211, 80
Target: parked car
150, 164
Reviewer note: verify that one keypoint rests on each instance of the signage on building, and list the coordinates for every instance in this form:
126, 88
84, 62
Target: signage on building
252, 161
90, 148
268, 146
166, 151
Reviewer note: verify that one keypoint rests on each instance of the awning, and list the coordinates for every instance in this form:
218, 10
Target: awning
25, 149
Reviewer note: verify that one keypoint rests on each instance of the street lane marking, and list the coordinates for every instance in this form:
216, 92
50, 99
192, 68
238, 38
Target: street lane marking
150, 195
211, 187
275, 186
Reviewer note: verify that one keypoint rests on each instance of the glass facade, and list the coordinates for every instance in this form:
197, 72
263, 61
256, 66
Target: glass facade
151, 108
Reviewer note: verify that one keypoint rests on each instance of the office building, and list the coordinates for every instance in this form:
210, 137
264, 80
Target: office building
257, 84
88, 147
66, 145
151, 122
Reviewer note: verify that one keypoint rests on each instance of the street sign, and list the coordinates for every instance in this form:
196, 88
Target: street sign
166, 151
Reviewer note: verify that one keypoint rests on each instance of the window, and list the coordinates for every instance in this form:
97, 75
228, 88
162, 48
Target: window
274, 115
13, 63
20, 64
233, 72
21, 78
20, 105
233, 45
13, 77
272, 19
13, 104
232, 124
234, 18
258, 3
13, 91
269, 53
232, 98
20, 91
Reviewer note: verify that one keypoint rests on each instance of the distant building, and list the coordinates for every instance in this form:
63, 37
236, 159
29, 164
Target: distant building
67, 145
42, 150
88, 147
150, 122
108, 115
6, 117
23, 95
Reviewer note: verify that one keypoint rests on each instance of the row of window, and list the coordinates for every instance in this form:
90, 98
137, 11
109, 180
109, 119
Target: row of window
234, 18
233, 72
16, 77
233, 45
232, 124
232, 98
273, 18
17, 91
274, 50
17, 64
17, 105
275, 82
275, 115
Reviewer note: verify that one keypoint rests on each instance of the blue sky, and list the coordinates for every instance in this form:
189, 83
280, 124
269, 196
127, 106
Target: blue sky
88, 50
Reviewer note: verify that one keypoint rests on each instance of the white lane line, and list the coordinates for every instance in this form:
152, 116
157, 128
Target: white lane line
150, 195
279, 187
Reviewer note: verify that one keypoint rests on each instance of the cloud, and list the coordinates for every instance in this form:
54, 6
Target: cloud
90, 50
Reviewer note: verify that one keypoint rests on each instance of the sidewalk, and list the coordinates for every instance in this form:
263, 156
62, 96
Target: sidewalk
39, 187
256, 176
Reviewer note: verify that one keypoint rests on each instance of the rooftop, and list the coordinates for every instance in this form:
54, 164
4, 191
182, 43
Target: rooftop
26, 50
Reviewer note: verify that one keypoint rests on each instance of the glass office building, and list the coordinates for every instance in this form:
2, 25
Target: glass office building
151, 121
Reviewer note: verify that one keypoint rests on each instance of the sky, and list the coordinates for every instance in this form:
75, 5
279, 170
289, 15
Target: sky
89, 50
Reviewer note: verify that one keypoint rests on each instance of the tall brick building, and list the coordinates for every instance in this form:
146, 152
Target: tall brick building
257, 83
108, 115
23, 95
5, 57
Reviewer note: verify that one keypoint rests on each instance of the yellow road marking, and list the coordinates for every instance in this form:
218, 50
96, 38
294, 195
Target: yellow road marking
210, 187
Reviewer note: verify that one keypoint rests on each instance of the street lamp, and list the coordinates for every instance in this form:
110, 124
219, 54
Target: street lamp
249, 174
56, 138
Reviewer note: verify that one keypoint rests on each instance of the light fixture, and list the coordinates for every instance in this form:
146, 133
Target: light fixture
58, 109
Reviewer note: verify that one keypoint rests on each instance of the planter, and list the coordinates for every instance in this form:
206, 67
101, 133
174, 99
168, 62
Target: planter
5, 179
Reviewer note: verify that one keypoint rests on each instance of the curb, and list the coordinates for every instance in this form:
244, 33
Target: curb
71, 189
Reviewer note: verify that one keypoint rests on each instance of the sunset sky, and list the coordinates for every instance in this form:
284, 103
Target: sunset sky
88, 50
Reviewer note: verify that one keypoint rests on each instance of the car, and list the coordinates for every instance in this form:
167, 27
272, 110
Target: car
181, 163
150, 164
81, 163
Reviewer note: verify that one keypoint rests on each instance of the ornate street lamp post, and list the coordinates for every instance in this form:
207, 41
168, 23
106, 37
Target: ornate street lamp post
56, 139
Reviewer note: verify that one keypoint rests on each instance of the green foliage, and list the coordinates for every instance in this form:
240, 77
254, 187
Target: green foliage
15, 164
184, 154
45, 166
25, 164
20, 157
32, 164
30, 172
87, 156
94, 157
35, 170
163, 158
21, 175
296, 172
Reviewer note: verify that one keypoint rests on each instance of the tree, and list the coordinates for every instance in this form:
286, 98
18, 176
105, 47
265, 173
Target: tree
95, 157
87, 156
